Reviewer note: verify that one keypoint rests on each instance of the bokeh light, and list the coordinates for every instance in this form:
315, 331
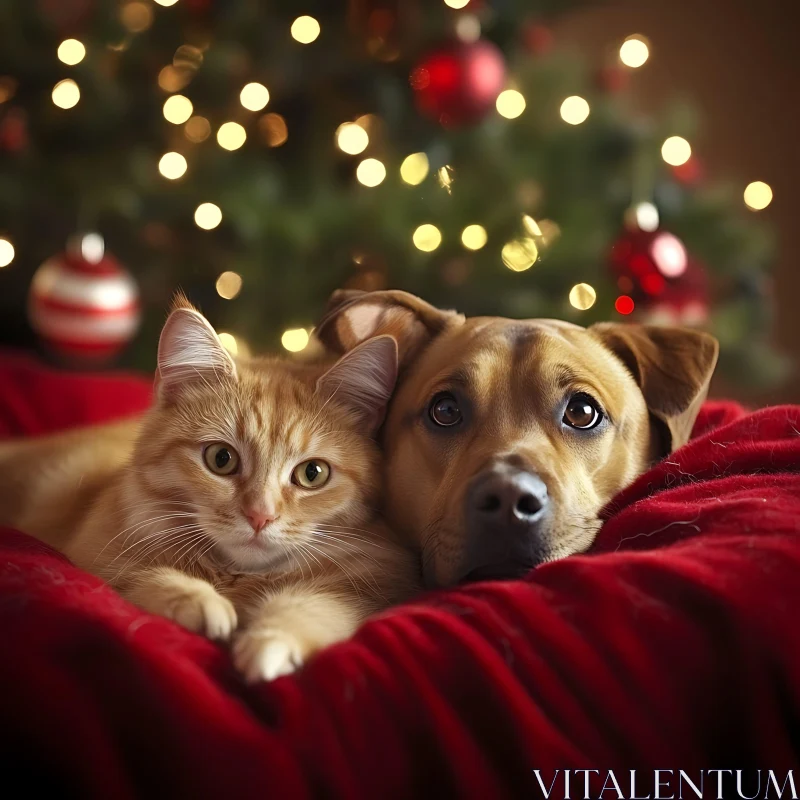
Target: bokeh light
305, 30
351, 138
758, 195
6, 252
520, 254
172, 166
646, 217
457, 4
71, 52
66, 94
171, 79
468, 28
228, 341
92, 248
136, 16
207, 216
624, 305
510, 104
197, 129
582, 296
473, 237
575, 110
634, 51
231, 135
166, 3
371, 172
229, 284
273, 130
295, 339
177, 109
414, 168
669, 255
427, 238
676, 151
254, 96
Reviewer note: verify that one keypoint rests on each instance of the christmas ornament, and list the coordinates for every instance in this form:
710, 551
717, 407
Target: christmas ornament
665, 285
83, 304
459, 83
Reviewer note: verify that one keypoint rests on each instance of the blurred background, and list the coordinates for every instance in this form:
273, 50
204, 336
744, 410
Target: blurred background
584, 160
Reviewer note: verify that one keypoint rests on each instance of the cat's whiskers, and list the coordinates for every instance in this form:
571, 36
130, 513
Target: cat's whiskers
157, 535
132, 529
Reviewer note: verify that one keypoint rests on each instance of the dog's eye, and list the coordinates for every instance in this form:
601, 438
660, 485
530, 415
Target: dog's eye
444, 410
582, 412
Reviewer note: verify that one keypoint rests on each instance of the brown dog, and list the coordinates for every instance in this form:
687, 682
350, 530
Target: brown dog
505, 437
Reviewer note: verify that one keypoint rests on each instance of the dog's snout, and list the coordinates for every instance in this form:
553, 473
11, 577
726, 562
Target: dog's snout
509, 497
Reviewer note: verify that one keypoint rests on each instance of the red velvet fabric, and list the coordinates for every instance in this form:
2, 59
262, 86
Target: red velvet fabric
675, 644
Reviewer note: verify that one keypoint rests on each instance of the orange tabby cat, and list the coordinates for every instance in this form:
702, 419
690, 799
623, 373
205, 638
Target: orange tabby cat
246, 496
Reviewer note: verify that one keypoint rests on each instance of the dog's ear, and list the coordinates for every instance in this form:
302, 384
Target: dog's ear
673, 367
353, 317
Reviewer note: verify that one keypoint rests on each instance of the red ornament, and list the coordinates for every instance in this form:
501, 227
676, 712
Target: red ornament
656, 276
613, 79
538, 39
83, 304
459, 83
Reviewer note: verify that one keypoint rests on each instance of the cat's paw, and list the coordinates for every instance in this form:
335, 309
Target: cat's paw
202, 610
263, 654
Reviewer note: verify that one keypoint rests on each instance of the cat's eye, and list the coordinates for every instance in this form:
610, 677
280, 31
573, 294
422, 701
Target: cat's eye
311, 474
221, 459
444, 410
582, 412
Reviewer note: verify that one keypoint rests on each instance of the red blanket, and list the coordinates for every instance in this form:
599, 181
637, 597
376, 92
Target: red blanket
674, 645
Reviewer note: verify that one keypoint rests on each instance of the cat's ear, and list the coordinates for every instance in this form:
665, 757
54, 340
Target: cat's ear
190, 353
363, 380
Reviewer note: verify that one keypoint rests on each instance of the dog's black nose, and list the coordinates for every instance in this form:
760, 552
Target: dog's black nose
506, 509
508, 497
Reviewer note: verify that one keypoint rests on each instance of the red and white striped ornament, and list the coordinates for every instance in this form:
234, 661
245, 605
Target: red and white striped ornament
83, 304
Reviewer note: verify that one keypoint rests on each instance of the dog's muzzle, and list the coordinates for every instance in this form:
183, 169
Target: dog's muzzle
506, 512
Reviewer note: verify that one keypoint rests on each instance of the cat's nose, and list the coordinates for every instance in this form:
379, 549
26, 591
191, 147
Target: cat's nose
259, 519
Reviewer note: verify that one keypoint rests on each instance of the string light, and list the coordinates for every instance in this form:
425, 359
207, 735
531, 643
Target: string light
229, 284
457, 4
231, 135
550, 231
197, 129
188, 57
136, 16
71, 52
510, 104
531, 225
305, 30
92, 248
624, 305
645, 217
427, 238
166, 3
172, 166
177, 109
207, 216
351, 138
370, 172
676, 151
473, 237
634, 51
273, 129
575, 110
66, 94
468, 28
582, 296
414, 168
445, 176
520, 254
295, 339
254, 96
758, 195
6, 252
228, 341
669, 255
171, 79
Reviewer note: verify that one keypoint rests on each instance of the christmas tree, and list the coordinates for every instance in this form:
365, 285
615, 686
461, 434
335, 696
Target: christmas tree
261, 155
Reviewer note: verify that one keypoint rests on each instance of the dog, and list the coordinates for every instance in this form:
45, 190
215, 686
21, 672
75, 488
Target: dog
505, 438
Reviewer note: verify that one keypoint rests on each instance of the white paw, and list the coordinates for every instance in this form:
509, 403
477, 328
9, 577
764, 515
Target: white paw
204, 612
264, 654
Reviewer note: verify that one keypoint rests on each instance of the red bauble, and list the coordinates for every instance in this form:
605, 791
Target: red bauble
459, 83
664, 282
83, 304
691, 173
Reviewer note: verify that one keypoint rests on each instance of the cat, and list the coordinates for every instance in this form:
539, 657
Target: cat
244, 497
